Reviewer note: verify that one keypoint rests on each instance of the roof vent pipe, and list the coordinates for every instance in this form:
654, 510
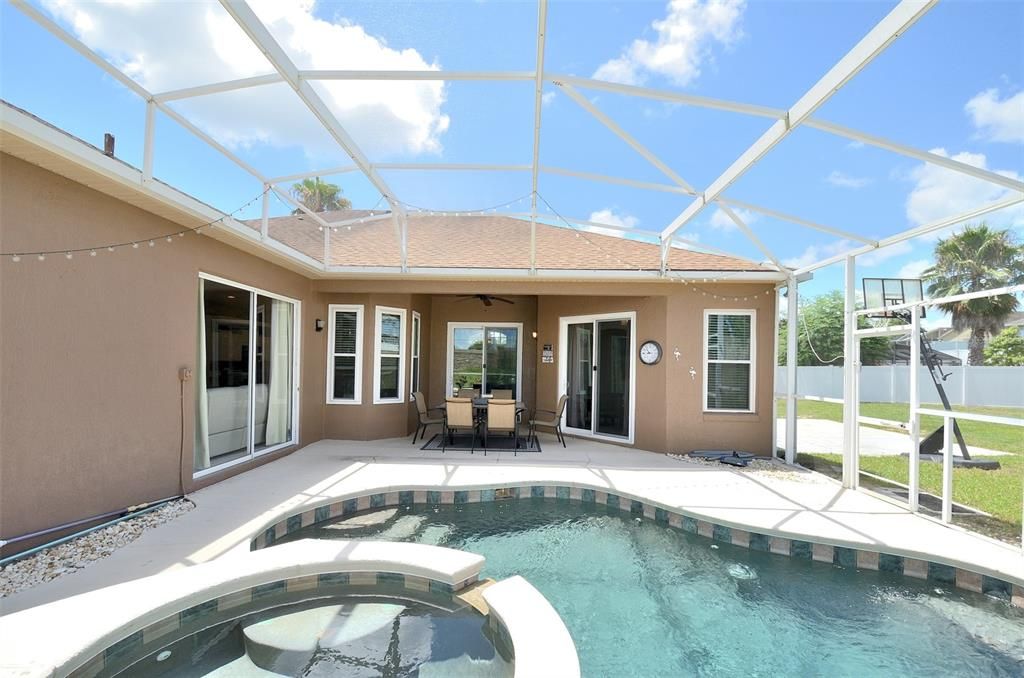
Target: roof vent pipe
108, 144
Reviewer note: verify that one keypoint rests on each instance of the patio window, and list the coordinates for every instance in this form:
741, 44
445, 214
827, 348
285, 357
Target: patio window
245, 376
344, 346
389, 356
414, 377
729, 361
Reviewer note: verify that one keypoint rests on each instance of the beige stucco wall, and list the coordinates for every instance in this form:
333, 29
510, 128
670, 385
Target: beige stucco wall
90, 402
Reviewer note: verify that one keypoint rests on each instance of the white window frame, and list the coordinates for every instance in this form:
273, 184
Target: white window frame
378, 317
417, 347
450, 365
331, 355
752, 313
253, 453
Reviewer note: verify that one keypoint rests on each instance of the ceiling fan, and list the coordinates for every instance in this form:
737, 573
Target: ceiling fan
488, 299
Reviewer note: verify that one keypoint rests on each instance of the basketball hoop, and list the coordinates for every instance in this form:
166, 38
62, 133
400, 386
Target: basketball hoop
882, 292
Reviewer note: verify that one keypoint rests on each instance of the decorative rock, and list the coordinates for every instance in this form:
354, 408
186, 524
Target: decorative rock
72, 556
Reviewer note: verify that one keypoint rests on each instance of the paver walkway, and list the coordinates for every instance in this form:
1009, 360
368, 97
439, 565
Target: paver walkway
795, 505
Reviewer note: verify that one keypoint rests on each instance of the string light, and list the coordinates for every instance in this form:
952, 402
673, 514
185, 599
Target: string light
169, 237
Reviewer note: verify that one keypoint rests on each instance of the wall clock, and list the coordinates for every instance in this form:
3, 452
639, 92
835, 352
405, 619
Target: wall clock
650, 352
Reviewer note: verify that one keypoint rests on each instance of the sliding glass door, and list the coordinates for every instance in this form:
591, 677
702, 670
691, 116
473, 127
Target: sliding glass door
597, 374
485, 358
245, 373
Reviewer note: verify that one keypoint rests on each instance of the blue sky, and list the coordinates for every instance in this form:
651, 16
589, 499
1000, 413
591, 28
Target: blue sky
953, 82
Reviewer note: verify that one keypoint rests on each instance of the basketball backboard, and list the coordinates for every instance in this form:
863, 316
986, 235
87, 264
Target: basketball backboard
881, 292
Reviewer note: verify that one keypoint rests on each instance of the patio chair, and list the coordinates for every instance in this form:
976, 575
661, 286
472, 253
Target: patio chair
425, 420
468, 393
553, 421
503, 394
458, 416
502, 418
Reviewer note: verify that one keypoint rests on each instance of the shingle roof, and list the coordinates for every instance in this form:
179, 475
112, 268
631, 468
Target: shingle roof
492, 241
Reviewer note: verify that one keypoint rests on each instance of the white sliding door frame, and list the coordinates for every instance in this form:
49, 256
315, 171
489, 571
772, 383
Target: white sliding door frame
251, 451
563, 373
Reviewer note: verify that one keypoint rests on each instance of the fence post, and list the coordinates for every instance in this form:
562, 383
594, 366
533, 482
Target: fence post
947, 469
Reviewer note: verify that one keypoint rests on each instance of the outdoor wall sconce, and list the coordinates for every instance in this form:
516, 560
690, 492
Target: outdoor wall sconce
534, 334
319, 325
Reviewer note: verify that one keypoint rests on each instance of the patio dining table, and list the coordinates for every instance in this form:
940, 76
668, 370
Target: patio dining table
480, 405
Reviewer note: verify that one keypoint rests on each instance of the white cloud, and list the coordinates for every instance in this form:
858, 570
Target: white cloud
610, 217
939, 193
721, 221
547, 98
855, 145
842, 180
914, 269
683, 42
815, 253
167, 46
998, 119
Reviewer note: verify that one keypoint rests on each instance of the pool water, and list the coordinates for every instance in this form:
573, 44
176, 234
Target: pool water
642, 599
352, 636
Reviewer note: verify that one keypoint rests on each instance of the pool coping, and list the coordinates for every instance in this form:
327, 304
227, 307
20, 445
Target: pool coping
139, 614
905, 562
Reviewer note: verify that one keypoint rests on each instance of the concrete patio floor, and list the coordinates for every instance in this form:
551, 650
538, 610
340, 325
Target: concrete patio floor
795, 505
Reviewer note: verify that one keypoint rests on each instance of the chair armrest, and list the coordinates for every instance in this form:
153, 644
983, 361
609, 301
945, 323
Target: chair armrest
547, 411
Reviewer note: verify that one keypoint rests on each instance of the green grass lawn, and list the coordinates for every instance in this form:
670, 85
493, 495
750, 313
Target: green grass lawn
990, 436
996, 492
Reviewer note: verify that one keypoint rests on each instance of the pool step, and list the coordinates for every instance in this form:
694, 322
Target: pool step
473, 596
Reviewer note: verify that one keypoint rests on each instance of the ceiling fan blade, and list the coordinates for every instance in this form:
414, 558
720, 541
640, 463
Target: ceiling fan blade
486, 299
507, 301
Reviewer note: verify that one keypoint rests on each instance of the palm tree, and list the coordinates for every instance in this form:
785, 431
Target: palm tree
975, 259
319, 196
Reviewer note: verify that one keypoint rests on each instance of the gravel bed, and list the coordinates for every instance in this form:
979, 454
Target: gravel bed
773, 468
78, 553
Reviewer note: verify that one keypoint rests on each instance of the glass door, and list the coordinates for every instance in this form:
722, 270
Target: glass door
485, 358
580, 355
613, 366
597, 375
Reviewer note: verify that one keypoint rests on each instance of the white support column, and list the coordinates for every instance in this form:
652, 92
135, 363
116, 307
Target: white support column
914, 425
147, 144
665, 245
775, 371
792, 320
850, 394
947, 470
533, 236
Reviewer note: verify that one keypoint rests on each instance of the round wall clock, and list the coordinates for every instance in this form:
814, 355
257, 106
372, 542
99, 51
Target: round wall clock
650, 352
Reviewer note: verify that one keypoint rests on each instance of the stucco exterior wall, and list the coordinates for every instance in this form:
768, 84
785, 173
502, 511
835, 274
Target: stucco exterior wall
90, 348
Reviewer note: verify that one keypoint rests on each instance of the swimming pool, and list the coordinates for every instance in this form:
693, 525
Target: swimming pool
642, 599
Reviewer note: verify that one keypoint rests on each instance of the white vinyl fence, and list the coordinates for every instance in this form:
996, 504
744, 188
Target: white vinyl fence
992, 386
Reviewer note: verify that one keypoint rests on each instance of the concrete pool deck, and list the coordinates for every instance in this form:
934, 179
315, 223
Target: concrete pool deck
807, 506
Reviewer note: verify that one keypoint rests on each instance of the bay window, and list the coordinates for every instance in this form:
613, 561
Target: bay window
389, 355
345, 354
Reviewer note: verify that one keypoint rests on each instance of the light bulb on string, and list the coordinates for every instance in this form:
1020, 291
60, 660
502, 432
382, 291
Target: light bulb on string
67, 255
152, 243
42, 257
15, 258
92, 253
135, 245
170, 239
110, 249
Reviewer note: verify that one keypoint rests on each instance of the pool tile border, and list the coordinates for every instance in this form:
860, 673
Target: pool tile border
838, 555
153, 636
